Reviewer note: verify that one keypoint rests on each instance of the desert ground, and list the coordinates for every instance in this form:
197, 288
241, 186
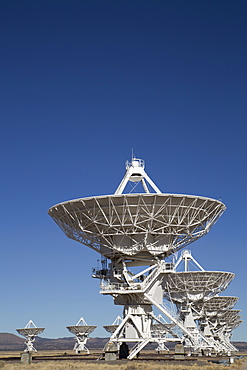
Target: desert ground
56, 360
53, 365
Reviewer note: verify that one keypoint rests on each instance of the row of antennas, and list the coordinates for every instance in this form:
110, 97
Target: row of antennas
81, 331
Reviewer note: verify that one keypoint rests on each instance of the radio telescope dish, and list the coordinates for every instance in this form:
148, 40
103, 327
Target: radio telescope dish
229, 318
81, 331
137, 225
229, 315
233, 325
214, 305
143, 229
194, 286
111, 328
30, 332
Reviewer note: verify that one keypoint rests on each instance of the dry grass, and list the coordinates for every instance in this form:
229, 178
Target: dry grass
84, 364
147, 365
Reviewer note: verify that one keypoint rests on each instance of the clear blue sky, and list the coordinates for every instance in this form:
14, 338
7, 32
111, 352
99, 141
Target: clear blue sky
82, 83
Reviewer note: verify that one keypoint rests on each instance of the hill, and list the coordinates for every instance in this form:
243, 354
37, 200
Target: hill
12, 342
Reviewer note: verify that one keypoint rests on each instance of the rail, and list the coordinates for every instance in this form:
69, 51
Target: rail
119, 287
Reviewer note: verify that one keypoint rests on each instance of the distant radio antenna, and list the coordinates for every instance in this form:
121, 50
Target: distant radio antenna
81, 331
30, 332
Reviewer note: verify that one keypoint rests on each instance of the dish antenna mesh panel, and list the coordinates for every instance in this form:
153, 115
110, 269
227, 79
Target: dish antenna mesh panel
141, 224
216, 304
195, 285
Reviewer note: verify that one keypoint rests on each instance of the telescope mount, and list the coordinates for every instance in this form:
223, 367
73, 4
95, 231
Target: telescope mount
81, 331
30, 332
139, 234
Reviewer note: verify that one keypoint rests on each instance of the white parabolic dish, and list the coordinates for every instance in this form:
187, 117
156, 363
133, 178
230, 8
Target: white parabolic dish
217, 304
229, 315
137, 225
110, 328
25, 332
81, 329
195, 285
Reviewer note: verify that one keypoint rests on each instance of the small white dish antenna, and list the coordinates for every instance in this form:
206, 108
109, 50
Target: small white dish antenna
81, 331
30, 332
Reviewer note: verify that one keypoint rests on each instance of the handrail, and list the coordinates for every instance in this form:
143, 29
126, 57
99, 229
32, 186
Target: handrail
121, 287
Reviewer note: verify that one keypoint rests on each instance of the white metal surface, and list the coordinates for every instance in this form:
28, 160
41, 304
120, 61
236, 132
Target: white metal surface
30, 332
228, 315
214, 305
81, 331
187, 258
111, 328
135, 173
137, 225
192, 286
143, 229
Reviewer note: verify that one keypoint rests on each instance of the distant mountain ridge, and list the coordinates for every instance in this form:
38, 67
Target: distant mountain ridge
12, 342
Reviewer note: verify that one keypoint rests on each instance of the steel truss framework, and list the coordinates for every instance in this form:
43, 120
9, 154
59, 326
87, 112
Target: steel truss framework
30, 332
210, 314
222, 329
81, 331
215, 305
194, 292
182, 287
139, 319
131, 224
142, 230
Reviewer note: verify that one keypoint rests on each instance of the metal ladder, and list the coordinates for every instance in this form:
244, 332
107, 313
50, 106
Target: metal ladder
137, 348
